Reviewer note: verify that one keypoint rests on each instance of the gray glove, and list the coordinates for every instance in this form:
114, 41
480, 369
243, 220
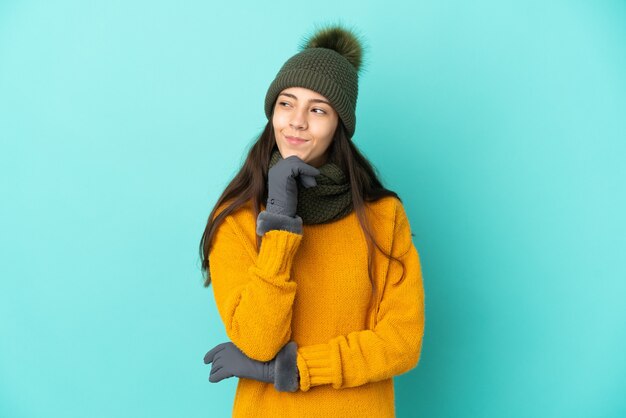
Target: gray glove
229, 361
282, 195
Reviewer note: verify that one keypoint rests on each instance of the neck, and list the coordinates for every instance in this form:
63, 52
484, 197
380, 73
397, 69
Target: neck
319, 161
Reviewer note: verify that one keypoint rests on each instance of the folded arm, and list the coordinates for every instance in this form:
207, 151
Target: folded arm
255, 297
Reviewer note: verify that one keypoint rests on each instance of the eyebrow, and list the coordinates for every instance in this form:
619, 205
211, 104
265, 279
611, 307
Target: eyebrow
310, 100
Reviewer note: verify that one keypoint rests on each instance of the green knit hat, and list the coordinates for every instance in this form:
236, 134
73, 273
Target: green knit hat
328, 64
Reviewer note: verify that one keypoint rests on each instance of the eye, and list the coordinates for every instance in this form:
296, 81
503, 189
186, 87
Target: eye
283, 103
321, 110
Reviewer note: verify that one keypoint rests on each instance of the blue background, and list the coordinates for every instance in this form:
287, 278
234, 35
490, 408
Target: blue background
501, 125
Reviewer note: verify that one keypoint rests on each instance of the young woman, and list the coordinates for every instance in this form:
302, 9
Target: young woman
314, 271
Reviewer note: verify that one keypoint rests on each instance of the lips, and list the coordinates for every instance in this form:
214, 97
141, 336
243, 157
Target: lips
294, 140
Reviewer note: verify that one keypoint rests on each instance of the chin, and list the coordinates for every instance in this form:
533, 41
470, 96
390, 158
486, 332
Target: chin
289, 153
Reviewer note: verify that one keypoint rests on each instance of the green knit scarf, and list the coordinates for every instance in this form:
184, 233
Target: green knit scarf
329, 201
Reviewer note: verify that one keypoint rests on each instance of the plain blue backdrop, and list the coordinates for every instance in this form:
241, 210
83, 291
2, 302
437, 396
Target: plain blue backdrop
500, 124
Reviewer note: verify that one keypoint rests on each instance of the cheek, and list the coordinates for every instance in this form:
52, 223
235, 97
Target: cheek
329, 132
278, 120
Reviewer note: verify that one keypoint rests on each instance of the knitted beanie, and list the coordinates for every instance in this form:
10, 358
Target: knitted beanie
328, 63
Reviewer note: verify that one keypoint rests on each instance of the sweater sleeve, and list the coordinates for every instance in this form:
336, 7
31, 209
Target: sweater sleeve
394, 345
254, 297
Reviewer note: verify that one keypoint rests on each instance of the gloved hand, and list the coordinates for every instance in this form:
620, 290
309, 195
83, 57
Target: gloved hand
229, 361
282, 195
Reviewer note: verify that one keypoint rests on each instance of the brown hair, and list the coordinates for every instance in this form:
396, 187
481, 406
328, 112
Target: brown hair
250, 183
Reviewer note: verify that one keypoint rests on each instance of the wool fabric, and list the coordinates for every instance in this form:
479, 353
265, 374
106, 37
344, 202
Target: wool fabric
313, 288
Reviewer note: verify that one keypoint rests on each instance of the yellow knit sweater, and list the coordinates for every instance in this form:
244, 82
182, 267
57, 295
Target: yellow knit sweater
314, 289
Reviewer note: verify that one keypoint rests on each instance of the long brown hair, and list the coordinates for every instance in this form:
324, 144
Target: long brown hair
250, 183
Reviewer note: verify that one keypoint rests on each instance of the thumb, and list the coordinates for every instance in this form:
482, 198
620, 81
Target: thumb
219, 374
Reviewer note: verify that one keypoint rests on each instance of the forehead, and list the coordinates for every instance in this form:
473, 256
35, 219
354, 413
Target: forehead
303, 93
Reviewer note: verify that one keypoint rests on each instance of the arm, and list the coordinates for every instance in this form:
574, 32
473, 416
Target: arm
393, 347
255, 297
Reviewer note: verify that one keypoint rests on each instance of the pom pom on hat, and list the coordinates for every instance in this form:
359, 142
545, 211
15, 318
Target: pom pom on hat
343, 41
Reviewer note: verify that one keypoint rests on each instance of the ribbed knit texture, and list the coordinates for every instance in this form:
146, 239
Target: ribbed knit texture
329, 201
322, 70
314, 289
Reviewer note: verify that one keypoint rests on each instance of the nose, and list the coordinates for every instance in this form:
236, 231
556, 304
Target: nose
298, 119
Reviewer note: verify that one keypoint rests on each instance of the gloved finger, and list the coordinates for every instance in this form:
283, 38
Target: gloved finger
215, 369
308, 181
297, 166
221, 374
307, 170
208, 357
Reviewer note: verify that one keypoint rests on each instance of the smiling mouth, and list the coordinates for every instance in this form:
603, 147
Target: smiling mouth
295, 138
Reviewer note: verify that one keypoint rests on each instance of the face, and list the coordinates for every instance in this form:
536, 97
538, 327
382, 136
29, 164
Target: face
303, 113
